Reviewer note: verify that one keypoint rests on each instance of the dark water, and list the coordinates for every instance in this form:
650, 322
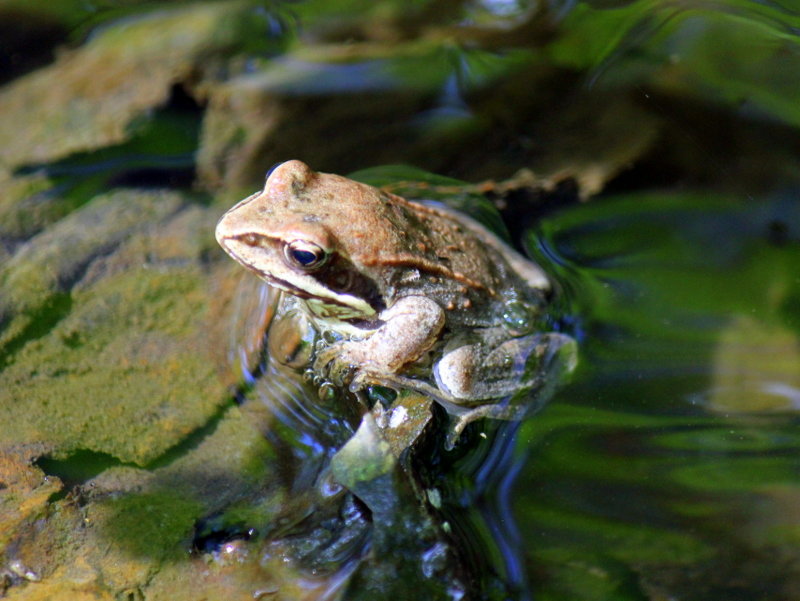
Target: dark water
668, 469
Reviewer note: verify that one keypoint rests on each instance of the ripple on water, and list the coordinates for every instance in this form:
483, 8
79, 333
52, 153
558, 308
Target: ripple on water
670, 458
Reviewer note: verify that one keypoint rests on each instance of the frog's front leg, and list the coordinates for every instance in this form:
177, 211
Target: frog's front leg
409, 328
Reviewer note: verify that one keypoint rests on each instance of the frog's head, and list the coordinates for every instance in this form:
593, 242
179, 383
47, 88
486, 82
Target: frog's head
278, 234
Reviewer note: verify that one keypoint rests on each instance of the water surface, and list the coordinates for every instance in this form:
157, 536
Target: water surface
668, 469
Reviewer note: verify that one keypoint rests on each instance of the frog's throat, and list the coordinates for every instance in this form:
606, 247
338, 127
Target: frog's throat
327, 312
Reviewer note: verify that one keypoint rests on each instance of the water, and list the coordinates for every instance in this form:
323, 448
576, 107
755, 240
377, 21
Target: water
668, 468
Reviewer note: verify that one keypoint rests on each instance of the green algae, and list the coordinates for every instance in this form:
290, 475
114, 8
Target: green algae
25, 206
161, 521
117, 530
107, 331
112, 364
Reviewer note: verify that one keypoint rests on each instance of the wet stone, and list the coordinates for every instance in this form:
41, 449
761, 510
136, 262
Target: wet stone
103, 331
122, 72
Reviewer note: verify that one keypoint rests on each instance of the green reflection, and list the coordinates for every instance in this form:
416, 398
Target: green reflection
672, 458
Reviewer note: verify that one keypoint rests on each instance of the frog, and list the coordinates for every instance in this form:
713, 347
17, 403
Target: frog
408, 295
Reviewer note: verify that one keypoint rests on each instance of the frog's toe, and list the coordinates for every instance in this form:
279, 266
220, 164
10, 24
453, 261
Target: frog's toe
464, 418
364, 378
343, 373
359, 381
333, 367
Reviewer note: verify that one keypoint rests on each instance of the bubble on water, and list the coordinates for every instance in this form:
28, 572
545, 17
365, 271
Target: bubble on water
327, 392
291, 340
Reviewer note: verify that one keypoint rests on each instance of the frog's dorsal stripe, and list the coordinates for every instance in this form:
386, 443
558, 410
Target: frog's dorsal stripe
423, 264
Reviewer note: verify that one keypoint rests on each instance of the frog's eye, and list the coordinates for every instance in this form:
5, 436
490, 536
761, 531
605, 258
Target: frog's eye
305, 255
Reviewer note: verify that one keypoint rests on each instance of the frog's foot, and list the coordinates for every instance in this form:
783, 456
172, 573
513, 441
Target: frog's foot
339, 362
410, 328
479, 372
460, 420
349, 364
506, 382
346, 364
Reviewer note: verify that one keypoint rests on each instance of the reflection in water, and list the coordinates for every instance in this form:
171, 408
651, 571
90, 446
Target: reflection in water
665, 469
319, 531
289, 412
494, 478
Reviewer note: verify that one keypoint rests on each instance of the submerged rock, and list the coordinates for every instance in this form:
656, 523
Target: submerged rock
96, 95
127, 532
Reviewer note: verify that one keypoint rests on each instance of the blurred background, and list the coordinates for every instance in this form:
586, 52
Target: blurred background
644, 152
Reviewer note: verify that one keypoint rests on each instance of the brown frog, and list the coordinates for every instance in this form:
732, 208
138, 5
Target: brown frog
413, 295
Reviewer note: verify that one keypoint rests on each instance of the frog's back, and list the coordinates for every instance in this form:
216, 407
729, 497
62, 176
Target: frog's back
519, 267
471, 272
402, 248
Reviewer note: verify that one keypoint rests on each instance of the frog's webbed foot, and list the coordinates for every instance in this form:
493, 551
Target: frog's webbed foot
459, 421
505, 382
471, 373
345, 364
349, 363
